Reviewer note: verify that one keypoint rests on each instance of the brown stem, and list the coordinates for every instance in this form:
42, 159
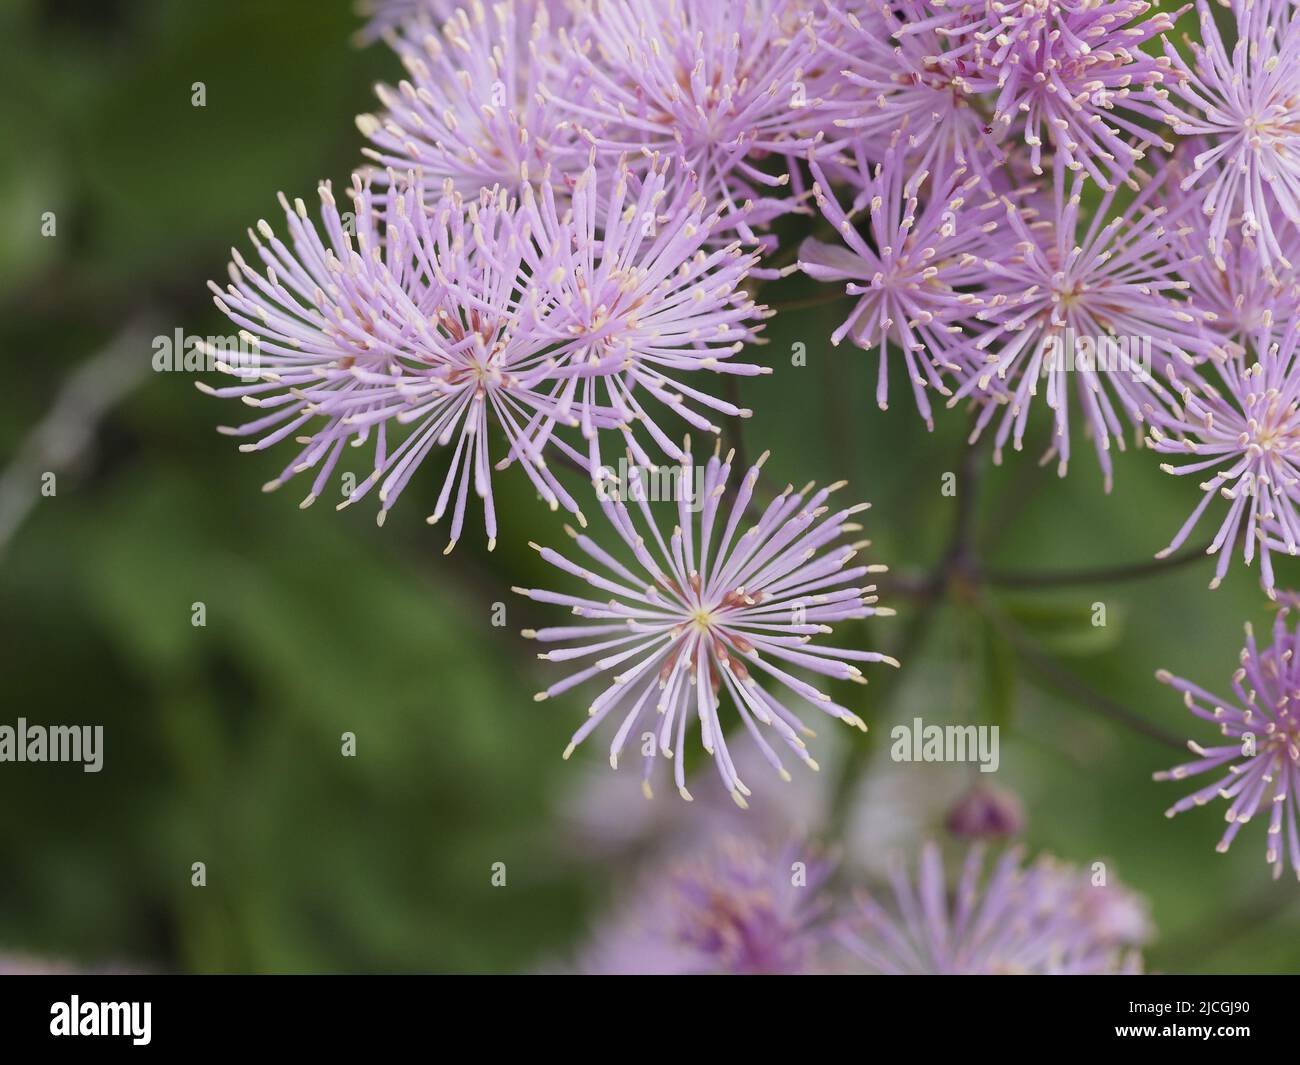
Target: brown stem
1100, 575
957, 564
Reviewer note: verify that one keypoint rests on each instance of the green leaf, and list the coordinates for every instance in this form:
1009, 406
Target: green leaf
1077, 626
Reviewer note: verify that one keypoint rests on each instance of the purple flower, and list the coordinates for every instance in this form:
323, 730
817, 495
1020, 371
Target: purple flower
1044, 919
441, 319
1240, 292
718, 86
1078, 303
701, 614
897, 84
735, 906
641, 296
1237, 423
1066, 73
422, 328
1246, 104
1115, 915
923, 249
472, 109
1257, 768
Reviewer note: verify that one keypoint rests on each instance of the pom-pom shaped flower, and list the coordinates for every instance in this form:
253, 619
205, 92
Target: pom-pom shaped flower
738, 906
922, 251
1066, 73
1240, 293
472, 109
431, 325
896, 79
718, 86
1257, 768
1243, 435
437, 321
1084, 305
1114, 915
320, 310
1045, 919
639, 293
701, 614
1246, 104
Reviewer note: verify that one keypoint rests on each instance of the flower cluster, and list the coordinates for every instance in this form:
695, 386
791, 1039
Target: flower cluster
1162, 309
951, 149
558, 243
424, 324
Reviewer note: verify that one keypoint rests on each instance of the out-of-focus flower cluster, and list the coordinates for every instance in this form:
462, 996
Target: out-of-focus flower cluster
754, 894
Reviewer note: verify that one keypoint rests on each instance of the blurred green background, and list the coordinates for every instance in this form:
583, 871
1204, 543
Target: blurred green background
223, 742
